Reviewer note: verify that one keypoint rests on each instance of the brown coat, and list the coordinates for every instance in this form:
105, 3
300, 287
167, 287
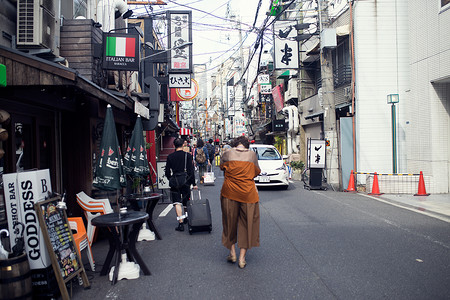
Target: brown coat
240, 167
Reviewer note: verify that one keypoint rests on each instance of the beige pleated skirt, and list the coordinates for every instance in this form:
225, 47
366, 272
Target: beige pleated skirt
240, 222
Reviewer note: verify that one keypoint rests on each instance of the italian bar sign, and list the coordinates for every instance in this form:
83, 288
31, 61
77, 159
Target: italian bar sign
120, 52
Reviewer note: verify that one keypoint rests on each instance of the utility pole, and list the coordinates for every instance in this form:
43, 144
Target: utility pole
329, 111
301, 96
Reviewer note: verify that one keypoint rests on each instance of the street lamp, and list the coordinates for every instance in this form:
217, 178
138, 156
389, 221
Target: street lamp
392, 99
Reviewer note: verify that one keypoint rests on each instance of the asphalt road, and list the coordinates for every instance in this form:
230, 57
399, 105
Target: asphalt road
314, 245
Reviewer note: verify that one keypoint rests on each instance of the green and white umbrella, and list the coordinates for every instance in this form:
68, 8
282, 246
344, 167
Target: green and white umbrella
136, 163
109, 174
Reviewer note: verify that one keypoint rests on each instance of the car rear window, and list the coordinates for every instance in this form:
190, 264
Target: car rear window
267, 153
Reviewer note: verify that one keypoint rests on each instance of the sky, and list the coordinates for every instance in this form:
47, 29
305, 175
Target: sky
215, 37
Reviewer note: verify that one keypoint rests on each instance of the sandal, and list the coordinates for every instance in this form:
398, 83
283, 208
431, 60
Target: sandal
231, 259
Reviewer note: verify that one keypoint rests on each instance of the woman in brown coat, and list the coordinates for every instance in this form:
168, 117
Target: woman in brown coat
240, 200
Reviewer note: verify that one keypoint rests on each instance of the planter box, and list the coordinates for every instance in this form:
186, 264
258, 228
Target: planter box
296, 175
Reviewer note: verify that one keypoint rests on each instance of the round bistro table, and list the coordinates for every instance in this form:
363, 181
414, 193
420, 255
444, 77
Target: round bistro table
150, 200
121, 238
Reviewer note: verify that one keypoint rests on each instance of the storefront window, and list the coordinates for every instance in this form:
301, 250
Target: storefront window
24, 146
45, 147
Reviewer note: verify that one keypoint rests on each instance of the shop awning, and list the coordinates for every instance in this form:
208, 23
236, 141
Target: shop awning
170, 125
288, 73
314, 50
185, 131
343, 30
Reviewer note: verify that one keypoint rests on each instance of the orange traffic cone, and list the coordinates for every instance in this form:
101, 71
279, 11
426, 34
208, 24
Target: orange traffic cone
375, 188
351, 184
422, 191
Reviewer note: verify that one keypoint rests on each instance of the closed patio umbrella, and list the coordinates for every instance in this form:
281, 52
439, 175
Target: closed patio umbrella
136, 165
135, 159
109, 174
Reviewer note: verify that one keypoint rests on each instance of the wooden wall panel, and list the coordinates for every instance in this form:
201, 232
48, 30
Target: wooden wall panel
77, 46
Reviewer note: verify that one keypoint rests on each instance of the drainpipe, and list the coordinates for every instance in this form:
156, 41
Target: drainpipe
106, 12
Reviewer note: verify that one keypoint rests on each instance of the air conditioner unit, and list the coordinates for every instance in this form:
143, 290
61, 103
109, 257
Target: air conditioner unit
292, 90
38, 25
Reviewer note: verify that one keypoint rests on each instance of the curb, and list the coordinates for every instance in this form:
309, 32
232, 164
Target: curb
414, 208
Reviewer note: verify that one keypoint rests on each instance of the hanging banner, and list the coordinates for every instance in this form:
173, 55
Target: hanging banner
120, 51
286, 47
278, 97
180, 32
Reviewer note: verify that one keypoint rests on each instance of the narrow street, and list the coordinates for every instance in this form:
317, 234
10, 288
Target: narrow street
314, 245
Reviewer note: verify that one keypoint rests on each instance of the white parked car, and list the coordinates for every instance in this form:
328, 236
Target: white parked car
273, 169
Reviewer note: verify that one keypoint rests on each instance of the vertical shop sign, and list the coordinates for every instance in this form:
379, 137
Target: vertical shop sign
180, 32
286, 47
230, 100
22, 191
316, 157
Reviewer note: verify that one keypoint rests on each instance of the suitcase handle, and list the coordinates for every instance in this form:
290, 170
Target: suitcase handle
199, 194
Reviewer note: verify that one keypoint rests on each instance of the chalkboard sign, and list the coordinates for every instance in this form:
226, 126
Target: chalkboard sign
59, 240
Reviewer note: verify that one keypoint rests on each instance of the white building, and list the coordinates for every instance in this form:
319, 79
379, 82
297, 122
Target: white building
402, 48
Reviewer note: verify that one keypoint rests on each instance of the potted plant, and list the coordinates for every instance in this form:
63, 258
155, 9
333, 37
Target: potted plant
297, 169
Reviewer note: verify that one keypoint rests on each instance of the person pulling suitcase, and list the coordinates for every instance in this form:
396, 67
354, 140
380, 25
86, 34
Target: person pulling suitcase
180, 172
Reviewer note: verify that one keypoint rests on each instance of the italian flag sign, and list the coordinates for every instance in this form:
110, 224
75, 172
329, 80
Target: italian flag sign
120, 46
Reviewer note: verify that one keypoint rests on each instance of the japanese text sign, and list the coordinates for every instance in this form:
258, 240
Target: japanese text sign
264, 79
180, 81
266, 89
316, 151
163, 181
286, 47
180, 32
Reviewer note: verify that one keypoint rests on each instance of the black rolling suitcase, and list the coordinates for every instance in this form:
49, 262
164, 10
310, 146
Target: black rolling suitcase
198, 214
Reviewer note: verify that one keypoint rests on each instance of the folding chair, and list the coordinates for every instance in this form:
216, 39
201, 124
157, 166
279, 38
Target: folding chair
80, 238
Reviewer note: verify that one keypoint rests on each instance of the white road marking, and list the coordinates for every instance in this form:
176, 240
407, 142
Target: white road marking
166, 210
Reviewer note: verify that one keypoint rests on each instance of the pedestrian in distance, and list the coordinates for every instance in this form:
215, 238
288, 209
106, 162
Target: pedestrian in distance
211, 150
186, 147
240, 200
178, 162
201, 158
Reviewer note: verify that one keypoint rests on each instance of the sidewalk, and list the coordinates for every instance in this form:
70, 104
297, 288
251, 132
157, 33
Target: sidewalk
436, 205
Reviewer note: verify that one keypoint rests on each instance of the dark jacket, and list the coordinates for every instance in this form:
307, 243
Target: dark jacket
175, 164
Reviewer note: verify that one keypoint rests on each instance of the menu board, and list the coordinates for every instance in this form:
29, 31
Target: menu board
59, 239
